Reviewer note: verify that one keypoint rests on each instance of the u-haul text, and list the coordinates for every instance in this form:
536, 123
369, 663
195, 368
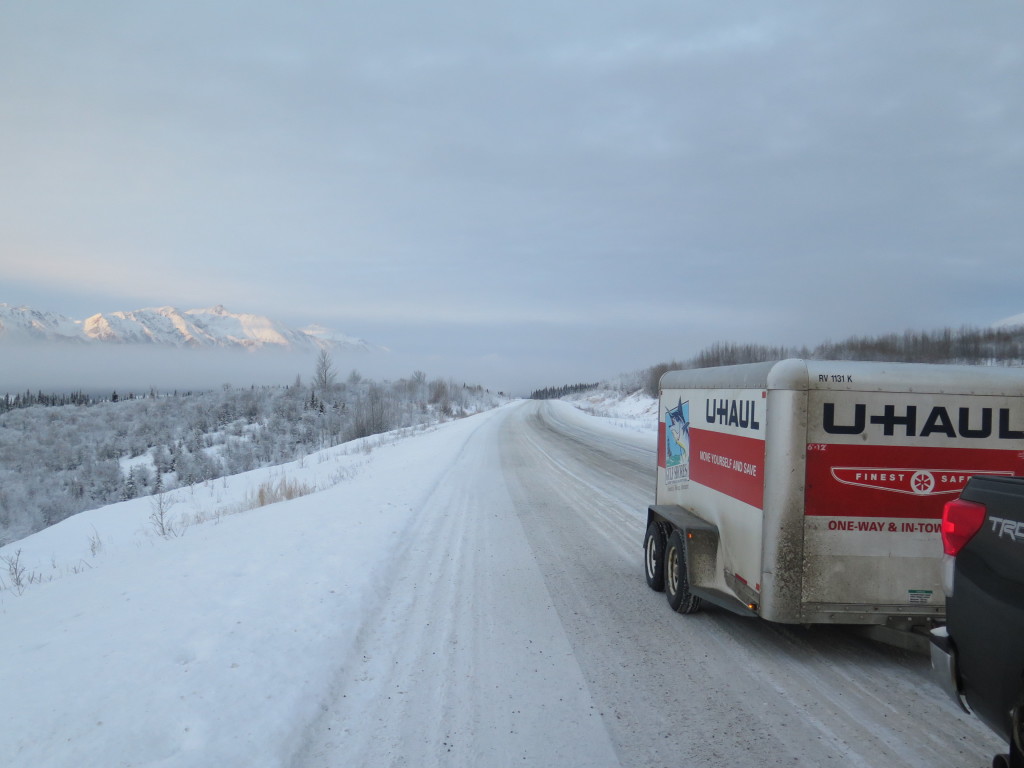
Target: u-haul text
976, 423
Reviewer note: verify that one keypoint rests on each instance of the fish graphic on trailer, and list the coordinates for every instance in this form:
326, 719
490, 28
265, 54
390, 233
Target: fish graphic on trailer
677, 436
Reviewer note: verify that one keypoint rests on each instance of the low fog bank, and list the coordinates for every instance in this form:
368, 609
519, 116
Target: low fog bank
99, 369
138, 368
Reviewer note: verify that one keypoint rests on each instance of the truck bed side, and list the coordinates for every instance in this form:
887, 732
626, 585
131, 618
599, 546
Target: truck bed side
985, 614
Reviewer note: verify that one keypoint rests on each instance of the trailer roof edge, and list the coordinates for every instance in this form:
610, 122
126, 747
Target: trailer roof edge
803, 375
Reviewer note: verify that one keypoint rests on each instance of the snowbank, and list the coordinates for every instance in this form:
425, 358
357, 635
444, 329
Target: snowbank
208, 647
635, 411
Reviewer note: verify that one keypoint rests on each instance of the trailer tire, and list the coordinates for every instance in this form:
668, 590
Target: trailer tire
1016, 756
654, 557
677, 586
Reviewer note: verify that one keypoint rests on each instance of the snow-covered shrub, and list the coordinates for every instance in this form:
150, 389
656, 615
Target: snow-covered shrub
62, 455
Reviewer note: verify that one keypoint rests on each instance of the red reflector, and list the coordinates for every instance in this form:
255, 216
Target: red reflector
960, 521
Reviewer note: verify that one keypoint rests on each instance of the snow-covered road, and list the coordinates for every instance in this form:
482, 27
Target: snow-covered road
470, 596
711, 689
465, 661
516, 628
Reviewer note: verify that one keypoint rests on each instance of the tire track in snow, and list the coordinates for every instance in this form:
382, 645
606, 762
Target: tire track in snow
513, 626
713, 688
465, 662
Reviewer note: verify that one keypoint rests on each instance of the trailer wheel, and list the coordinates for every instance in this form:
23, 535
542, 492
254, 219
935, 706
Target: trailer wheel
654, 557
677, 586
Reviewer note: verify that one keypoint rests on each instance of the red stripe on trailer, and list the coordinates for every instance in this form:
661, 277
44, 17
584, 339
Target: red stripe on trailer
895, 481
731, 464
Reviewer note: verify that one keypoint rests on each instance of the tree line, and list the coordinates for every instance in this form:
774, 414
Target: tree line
28, 399
960, 346
553, 393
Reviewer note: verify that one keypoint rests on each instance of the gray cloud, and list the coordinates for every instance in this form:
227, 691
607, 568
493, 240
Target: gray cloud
545, 188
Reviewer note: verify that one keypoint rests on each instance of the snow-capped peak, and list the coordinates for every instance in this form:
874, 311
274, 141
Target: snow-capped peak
26, 324
168, 326
329, 336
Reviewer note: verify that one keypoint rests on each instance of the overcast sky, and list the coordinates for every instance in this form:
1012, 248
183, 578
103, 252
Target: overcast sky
529, 193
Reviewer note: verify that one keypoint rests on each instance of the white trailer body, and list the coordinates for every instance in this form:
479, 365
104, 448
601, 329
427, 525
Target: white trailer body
812, 491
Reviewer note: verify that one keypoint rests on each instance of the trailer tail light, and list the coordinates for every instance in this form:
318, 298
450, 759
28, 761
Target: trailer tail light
960, 521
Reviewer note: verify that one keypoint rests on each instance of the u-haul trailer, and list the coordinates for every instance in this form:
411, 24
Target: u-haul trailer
812, 492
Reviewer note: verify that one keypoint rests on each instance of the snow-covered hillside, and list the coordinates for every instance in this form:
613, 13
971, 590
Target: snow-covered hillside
632, 411
1015, 321
213, 327
61, 456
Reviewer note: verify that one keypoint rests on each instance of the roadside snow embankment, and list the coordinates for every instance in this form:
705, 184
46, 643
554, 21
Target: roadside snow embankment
635, 411
122, 647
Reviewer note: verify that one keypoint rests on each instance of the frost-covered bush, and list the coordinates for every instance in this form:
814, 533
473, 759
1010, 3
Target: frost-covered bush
59, 459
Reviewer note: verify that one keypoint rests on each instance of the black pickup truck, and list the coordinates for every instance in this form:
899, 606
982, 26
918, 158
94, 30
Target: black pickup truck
979, 654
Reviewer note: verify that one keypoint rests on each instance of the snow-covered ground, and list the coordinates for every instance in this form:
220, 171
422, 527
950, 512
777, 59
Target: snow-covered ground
405, 612
214, 646
634, 412
218, 643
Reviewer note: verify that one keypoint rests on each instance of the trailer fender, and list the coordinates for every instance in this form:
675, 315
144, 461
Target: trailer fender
701, 540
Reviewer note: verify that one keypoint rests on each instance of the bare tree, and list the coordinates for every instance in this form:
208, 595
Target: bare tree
324, 377
373, 414
159, 516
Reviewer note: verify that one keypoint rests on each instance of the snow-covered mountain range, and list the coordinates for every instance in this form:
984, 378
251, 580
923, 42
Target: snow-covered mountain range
169, 327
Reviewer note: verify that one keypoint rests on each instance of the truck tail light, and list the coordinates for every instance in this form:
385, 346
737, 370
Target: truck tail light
960, 521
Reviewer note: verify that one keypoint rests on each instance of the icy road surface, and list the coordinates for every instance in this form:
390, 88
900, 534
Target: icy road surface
472, 595
515, 628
